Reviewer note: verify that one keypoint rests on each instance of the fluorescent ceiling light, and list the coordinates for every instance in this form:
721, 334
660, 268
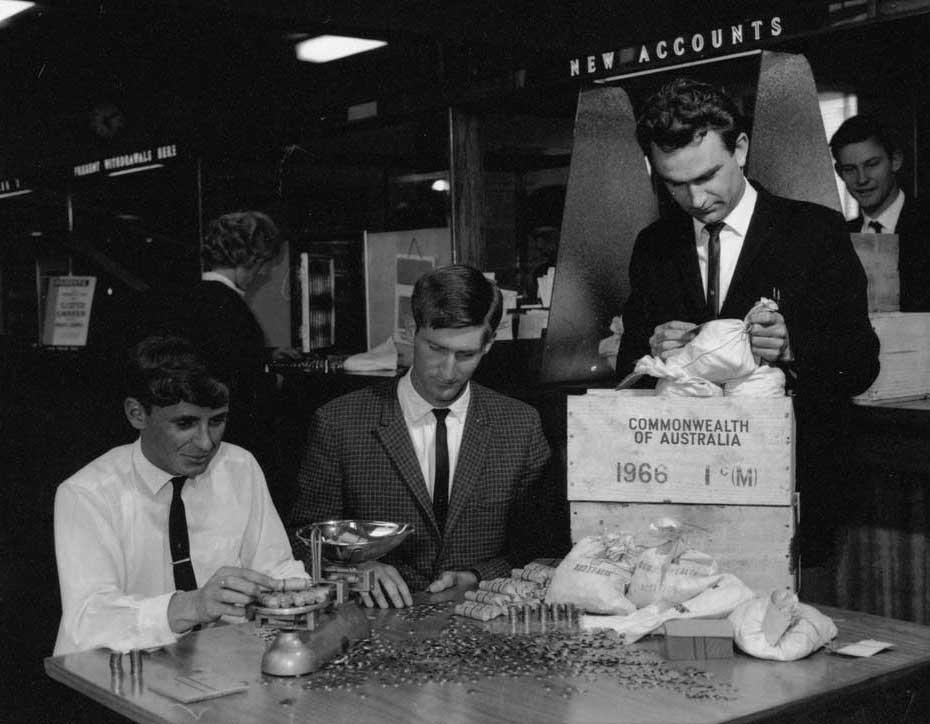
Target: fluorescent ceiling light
9, 8
325, 48
20, 192
135, 169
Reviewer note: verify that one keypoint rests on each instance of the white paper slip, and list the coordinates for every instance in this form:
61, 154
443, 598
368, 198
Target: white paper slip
866, 647
187, 689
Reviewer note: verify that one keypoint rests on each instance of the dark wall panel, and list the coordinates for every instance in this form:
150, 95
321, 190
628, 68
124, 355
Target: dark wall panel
608, 200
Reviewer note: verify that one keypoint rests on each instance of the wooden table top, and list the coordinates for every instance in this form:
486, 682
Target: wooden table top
761, 689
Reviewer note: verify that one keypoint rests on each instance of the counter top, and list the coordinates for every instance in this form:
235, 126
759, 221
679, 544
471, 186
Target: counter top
758, 690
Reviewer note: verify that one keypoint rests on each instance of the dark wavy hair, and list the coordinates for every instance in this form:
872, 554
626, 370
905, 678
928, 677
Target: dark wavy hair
683, 109
241, 238
456, 296
857, 129
163, 370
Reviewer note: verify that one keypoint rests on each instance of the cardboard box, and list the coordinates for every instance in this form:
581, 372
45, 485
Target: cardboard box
723, 466
904, 357
879, 256
687, 639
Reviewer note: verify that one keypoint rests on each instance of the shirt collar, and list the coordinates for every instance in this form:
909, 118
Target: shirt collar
151, 475
738, 219
212, 276
889, 217
415, 408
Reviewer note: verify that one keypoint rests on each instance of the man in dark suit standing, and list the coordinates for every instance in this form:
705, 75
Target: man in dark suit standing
458, 461
868, 160
733, 244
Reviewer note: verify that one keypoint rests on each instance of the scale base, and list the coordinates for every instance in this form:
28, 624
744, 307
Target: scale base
299, 652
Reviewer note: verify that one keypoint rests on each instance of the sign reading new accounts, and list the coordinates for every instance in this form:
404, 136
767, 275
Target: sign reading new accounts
685, 47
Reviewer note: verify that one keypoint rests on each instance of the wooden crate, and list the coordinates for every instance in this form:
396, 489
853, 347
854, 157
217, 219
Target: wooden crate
904, 356
879, 256
734, 485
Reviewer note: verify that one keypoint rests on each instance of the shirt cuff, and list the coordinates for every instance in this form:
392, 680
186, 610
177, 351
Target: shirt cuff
153, 620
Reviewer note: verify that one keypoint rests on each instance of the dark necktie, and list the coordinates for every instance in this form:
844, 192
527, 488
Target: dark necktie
441, 481
184, 579
713, 268
876, 226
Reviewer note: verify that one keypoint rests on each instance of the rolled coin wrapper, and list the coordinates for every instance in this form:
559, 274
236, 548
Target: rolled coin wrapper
479, 611
295, 584
536, 572
289, 599
523, 589
495, 599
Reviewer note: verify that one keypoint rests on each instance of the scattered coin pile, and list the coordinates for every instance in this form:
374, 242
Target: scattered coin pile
420, 612
464, 652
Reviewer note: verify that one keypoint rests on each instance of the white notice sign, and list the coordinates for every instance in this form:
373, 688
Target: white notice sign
67, 310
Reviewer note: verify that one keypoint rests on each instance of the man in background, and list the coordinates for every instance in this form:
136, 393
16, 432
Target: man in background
458, 461
172, 531
868, 160
215, 316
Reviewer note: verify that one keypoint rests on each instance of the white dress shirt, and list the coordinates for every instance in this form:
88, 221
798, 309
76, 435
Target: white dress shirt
888, 218
732, 235
421, 424
111, 542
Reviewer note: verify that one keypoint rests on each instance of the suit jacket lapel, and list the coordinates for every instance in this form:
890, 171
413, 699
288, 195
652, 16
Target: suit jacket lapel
907, 219
761, 227
471, 456
392, 431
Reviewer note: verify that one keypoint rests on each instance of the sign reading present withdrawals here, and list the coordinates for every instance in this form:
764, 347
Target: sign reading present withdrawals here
632, 446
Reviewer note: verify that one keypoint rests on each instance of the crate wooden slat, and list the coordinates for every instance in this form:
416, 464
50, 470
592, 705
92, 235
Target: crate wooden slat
753, 543
632, 446
904, 356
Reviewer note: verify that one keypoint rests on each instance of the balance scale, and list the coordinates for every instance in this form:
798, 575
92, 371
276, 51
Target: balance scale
309, 636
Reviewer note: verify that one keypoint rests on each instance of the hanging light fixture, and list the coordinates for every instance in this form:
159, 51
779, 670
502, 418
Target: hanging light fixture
324, 48
9, 8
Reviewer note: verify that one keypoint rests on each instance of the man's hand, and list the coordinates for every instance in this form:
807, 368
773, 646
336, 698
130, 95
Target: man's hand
769, 336
389, 584
668, 338
448, 579
225, 594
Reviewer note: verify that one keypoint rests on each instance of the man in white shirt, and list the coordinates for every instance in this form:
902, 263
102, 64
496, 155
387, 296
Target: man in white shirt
172, 531
458, 461
869, 160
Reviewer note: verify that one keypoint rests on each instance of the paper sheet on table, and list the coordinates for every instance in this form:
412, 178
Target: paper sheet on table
864, 648
382, 357
193, 687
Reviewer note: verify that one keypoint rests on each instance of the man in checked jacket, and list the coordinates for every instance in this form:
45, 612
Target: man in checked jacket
373, 454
